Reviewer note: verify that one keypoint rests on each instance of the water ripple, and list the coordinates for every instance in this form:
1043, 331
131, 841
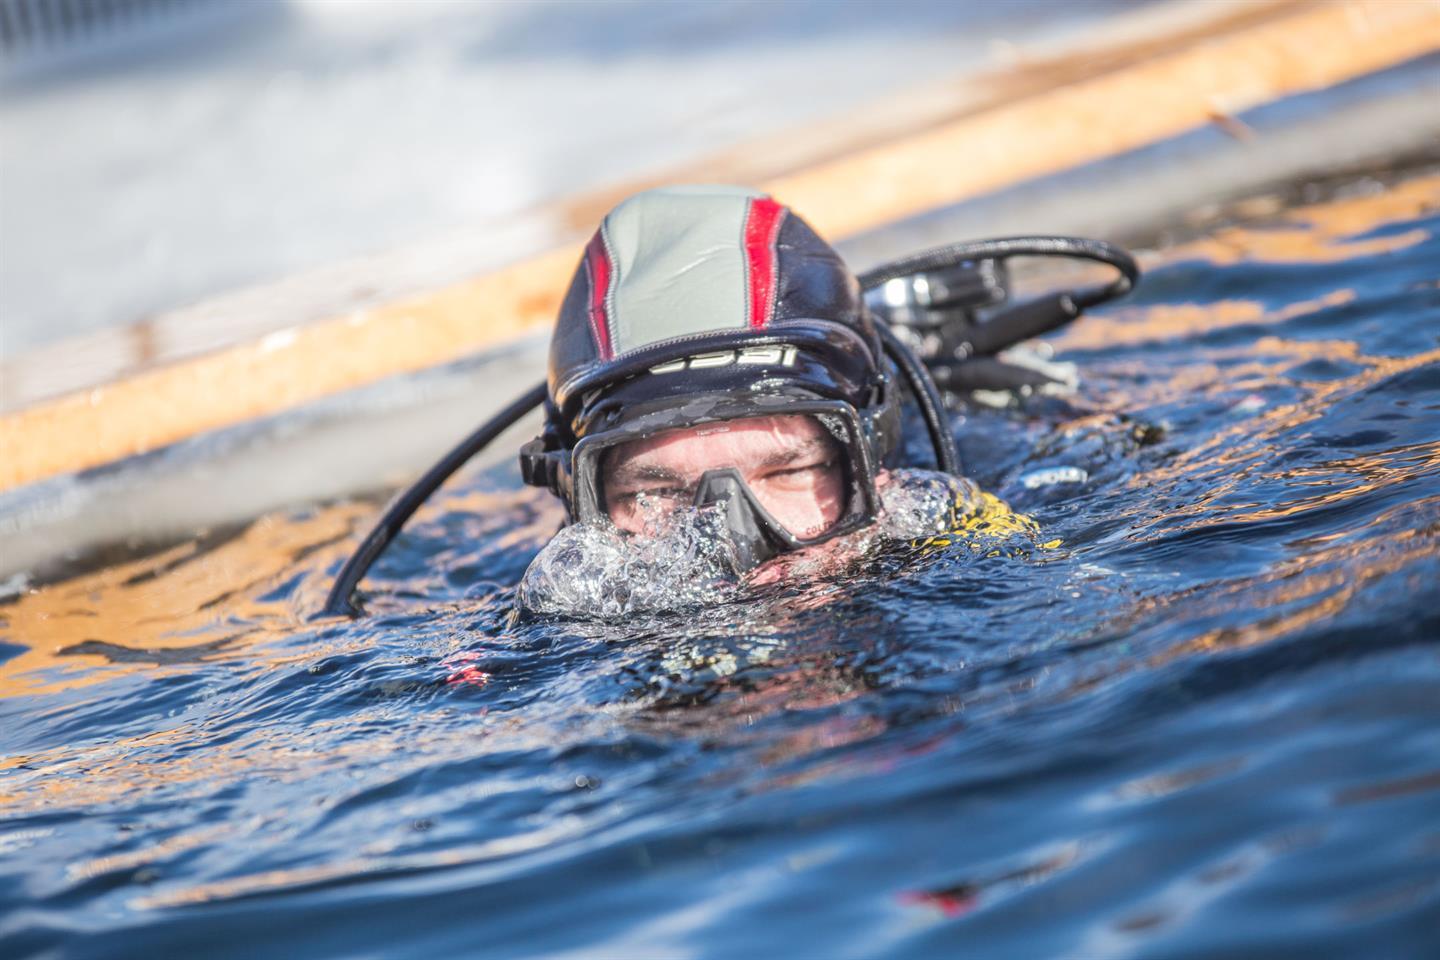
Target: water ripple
1188, 710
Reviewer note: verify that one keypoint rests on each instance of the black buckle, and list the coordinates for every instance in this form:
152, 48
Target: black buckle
540, 467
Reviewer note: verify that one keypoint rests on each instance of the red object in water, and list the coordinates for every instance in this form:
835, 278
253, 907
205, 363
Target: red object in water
474, 676
954, 902
469, 674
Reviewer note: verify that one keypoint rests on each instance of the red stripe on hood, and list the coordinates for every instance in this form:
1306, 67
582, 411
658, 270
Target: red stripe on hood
762, 229
597, 262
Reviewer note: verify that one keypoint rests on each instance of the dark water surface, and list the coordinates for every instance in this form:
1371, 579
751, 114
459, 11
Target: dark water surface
1206, 724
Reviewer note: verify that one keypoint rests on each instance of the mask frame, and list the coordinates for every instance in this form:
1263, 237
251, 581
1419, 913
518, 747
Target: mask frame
582, 477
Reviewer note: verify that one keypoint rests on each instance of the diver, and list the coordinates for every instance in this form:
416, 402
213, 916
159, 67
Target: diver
713, 351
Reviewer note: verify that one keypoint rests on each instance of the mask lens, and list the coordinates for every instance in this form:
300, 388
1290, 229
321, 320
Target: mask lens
795, 465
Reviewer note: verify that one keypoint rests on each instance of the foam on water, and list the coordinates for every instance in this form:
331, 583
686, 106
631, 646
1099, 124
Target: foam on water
593, 570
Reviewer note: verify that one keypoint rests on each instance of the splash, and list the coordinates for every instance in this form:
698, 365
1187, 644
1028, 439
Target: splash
592, 570
923, 503
685, 559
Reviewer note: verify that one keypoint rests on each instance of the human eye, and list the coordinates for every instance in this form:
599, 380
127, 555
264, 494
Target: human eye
819, 465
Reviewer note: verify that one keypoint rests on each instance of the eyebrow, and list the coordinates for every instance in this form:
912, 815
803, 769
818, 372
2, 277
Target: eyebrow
787, 457
632, 472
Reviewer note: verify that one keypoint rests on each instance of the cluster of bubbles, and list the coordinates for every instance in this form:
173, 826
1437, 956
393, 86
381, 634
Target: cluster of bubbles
685, 557
594, 570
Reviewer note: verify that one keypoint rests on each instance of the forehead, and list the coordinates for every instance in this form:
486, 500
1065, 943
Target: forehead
739, 440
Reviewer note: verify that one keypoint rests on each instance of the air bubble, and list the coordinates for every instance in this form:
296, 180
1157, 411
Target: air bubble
685, 558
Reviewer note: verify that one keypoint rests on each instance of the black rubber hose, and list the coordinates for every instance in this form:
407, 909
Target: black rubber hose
1034, 318
927, 395
388, 527
1005, 248
987, 373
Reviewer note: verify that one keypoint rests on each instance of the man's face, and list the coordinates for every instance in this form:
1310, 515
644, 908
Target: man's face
790, 462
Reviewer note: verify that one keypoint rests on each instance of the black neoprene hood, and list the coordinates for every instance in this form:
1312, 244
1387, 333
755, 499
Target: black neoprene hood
683, 290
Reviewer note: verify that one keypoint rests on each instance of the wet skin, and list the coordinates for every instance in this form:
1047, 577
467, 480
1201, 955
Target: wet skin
790, 463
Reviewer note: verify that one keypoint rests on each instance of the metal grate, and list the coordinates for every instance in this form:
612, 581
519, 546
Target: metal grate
34, 26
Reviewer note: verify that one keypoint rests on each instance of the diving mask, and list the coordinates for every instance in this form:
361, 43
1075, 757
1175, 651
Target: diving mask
782, 481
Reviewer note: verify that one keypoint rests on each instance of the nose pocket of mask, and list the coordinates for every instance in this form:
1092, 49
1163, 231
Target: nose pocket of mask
756, 534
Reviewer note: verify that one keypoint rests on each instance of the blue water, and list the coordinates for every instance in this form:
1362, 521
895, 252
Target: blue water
1206, 723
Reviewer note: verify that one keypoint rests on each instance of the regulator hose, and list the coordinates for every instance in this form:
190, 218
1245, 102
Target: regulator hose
403, 507
1075, 248
927, 397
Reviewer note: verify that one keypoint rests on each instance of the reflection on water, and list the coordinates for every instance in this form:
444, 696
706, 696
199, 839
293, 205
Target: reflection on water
1198, 716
